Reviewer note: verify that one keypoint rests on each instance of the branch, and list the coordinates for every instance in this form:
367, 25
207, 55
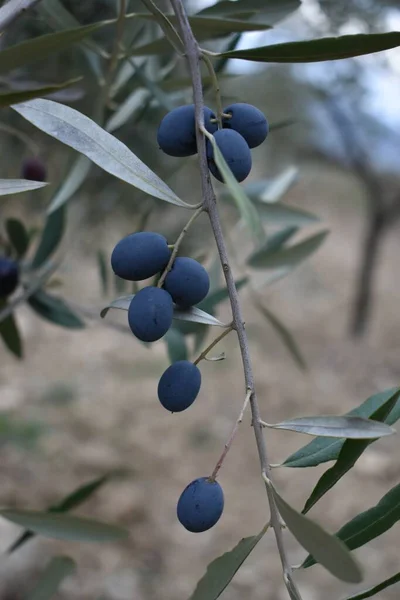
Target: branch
194, 56
12, 10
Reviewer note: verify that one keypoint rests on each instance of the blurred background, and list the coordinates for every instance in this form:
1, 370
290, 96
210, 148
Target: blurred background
84, 403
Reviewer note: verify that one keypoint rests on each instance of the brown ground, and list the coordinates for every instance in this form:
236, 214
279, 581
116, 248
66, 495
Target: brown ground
96, 392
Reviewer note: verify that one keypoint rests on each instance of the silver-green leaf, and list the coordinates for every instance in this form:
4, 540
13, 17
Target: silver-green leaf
355, 428
78, 131
221, 571
246, 208
16, 186
63, 526
330, 552
286, 257
193, 314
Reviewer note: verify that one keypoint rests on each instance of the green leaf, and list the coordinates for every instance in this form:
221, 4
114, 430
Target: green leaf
103, 271
14, 97
221, 571
55, 310
73, 500
84, 135
277, 240
369, 524
349, 454
332, 48
355, 428
10, 335
271, 190
273, 10
286, 257
285, 335
127, 110
323, 450
51, 237
283, 214
64, 527
18, 236
176, 345
16, 186
71, 183
43, 46
245, 207
377, 588
56, 571
192, 315
330, 552
165, 23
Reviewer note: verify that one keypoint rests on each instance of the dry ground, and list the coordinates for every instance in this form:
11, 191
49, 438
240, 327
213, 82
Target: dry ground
96, 392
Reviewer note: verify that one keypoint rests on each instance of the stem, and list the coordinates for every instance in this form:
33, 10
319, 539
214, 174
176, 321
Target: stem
193, 54
232, 436
112, 65
177, 244
217, 90
213, 343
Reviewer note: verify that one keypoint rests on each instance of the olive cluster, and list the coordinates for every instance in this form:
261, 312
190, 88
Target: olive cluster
140, 256
243, 127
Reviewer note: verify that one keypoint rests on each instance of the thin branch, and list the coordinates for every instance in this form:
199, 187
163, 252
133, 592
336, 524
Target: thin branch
207, 350
14, 9
112, 65
210, 205
232, 436
178, 243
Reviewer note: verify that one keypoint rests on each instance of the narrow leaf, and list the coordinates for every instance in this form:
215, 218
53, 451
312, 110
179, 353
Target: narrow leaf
355, 428
272, 190
64, 527
369, 524
18, 236
330, 48
14, 96
349, 454
43, 46
323, 450
377, 588
330, 552
245, 207
286, 257
126, 111
283, 214
274, 11
10, 335
55, 310
277, 240
193, 314
56, 571
166, 25
285, 335
84, 135
71, 183
221, 571
73, 500
51, 237
16, 186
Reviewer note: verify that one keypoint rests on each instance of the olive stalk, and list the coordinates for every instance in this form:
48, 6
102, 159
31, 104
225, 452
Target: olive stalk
194, 55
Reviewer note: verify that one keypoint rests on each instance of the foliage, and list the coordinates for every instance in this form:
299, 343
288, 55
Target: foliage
139, 72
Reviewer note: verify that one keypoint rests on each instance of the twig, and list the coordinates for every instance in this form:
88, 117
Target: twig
217, 90
112, 65
178, 243
232, 436
210, 204
12, 10
220, 337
